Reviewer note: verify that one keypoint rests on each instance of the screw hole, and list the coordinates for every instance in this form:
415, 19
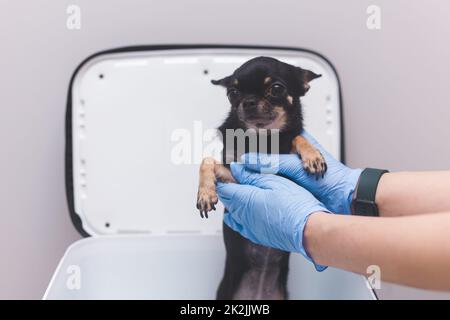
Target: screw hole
205, 72
101, 76
107, 224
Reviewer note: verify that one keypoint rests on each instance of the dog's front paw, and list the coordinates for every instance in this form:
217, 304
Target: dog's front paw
314, 163
206, 200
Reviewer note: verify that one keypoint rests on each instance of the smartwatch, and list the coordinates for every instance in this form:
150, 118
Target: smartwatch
363, 203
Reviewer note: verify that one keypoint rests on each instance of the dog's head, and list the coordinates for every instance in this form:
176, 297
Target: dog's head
264, 91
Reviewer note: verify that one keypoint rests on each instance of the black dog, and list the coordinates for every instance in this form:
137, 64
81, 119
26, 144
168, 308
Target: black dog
265, 99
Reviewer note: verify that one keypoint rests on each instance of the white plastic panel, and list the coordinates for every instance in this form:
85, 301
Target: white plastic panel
176, 267
130, 111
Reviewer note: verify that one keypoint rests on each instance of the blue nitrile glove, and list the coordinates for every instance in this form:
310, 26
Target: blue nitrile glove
334, 190
268, 209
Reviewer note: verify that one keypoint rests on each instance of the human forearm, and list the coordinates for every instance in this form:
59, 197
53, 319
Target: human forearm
413, 251
410, 193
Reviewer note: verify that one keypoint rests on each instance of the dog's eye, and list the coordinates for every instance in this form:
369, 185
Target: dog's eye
277, 90
233, 94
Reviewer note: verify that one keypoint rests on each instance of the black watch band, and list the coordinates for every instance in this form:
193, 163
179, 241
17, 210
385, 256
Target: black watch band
364, 201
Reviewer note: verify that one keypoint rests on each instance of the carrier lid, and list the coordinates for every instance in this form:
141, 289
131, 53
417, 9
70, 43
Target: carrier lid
139, 120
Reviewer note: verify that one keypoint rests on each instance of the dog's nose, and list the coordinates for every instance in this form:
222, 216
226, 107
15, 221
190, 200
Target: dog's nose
249, 104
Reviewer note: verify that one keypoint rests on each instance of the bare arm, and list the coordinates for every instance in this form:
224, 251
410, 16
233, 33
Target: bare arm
413, 250
410, 241
409, 193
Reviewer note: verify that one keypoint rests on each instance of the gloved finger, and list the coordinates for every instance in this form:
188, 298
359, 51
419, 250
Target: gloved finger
288, 165
234, 195
244, 176
263, 181
233, 223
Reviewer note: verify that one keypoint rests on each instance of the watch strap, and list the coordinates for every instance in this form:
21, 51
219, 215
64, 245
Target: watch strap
364, 201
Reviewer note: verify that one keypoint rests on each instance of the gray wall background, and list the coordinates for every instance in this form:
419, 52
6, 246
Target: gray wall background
395, 88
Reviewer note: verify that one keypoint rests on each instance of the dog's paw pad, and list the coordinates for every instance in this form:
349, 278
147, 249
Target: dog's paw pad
314, 164
206, 201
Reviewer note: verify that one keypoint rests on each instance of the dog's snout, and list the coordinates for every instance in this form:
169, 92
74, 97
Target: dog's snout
249, 104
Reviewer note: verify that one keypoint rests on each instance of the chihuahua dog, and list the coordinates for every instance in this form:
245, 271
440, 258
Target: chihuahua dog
264, 94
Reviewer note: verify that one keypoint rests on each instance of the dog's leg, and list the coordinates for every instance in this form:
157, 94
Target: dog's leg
210, 172
251, 271
313, 161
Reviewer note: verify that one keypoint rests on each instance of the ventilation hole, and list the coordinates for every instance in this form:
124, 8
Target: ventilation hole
206, 71
107, 224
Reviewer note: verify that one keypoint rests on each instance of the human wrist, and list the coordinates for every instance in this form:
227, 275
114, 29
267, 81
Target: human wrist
383, 193
352, 184
311, 236
364, 200
341, 199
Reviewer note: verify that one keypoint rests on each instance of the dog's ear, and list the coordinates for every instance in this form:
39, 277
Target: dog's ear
304, 77
225, 82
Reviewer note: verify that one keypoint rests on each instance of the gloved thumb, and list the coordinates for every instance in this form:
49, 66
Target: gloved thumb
233, 195
287, 165
245, 176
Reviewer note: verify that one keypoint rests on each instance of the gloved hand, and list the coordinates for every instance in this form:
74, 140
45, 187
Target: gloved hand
268, 209
334, 190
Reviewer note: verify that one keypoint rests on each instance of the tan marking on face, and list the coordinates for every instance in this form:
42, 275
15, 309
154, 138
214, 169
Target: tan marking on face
235, 82
290, 99
267, 80
280, 120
